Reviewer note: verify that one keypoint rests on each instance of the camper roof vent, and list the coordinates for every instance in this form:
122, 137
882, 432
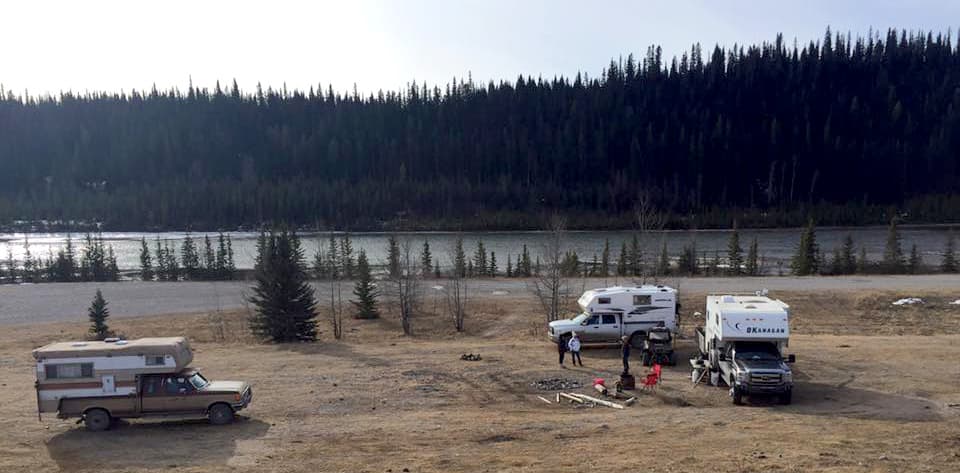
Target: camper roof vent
728, 300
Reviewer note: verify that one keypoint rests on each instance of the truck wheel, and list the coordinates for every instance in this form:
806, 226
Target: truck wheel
96, 420
737, 396
636, 340
220, 414
786, 398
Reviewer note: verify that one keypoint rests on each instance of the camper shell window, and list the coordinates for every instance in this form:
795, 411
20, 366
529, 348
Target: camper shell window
69, 371
155, 361
603, 300
641, 299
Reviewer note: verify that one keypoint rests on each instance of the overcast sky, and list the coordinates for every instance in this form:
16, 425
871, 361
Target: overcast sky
50, 46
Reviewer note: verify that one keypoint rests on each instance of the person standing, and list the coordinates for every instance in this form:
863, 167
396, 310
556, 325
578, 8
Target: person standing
574, 346
625, 352
562, 349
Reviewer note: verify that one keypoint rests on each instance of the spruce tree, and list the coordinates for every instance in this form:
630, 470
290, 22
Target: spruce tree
687, 263
863, 264
393, 256
365, 290
492, 271
847, 257
892, 252
734, 253
230, 267
346, 257
162, 271
509, 266
949, 262
436, 269
753, 256
146, 262
98, 313
284, 300
605, 260
333, 258
480, 260
210, 266
459, 259
527, 266
426, 259
190, 258
915, 262
112, 270
805, 260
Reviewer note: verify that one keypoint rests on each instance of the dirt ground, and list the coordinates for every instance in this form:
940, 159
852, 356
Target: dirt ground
877, 391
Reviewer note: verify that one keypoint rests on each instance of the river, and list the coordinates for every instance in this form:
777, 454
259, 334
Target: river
776, 245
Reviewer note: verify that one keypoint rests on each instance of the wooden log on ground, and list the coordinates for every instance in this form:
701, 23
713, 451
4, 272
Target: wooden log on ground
544, 399
630, 401
571, 398
599, 401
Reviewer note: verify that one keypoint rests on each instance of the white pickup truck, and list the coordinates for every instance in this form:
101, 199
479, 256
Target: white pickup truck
741, 345
613, 312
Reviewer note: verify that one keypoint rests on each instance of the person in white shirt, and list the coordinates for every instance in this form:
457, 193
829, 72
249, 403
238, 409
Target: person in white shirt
574, 346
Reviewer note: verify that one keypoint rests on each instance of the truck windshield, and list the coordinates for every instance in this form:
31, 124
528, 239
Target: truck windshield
198, 381
580, 318
757, 352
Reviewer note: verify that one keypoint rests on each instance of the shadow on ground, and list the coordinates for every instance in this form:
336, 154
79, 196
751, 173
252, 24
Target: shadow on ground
152, 444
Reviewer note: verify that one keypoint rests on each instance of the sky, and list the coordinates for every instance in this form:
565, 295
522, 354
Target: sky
52, 46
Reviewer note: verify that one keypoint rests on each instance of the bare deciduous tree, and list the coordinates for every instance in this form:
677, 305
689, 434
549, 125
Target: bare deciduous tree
455, 294
549, 284
649, 220
405, 285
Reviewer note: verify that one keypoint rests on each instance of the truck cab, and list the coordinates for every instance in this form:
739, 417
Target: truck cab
758, 368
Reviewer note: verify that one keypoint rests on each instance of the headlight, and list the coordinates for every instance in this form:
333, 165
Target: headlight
788, 377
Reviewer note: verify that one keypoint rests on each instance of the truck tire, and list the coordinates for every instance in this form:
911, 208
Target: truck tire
637, 339
786, 398
220, 414
737, 396
96, 420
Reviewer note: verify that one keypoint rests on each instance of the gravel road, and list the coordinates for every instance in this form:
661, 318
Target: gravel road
29, 303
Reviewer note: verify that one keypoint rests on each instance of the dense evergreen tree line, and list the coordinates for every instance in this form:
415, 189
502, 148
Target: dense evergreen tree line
97, 262
208, 263
843, 129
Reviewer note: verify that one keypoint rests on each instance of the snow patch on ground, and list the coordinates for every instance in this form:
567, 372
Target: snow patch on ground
437, 288
908, 301
956, 302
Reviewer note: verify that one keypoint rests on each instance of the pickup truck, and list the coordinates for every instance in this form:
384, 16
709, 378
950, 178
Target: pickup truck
181, 395
608, 314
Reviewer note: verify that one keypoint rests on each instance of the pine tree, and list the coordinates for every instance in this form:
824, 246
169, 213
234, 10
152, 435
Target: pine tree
426, 259
365, 290
393, 256
915, 263
509, 266
459, 259
605, 260
492, 272
753, 267
146, 263
284, 300
527, 267
805, 260
230, 267
98, 314
173, 266
892, 252
734, 253
949, 262
847, 256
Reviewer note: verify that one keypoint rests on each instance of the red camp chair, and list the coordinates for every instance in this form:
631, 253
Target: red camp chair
652, 379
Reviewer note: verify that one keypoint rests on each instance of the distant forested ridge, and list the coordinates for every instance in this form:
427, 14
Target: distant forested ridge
846, 129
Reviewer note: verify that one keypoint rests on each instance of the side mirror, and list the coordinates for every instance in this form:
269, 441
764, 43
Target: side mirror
584, 323
791, 358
